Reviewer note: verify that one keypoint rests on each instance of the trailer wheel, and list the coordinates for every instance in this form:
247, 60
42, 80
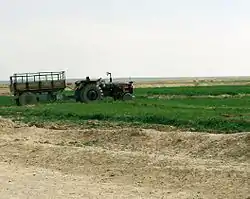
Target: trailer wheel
51, 97
27, 98
17, 102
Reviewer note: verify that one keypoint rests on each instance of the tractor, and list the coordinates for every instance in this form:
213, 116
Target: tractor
31, 88
88, 90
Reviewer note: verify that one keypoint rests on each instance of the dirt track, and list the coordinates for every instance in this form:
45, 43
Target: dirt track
121, 163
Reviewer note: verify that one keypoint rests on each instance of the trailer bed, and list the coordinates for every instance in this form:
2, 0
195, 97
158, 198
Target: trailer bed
37, 82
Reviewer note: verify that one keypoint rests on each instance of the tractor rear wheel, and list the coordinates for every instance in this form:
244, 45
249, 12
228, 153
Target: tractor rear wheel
27, 98
91, 92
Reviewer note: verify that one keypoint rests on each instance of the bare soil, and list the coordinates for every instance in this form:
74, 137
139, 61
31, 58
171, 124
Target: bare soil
4, 91
121, 163
177, 83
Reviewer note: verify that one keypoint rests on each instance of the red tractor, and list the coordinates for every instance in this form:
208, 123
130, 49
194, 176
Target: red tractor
88, 90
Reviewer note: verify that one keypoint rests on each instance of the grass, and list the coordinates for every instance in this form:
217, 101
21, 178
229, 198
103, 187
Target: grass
221, 115
196, 91
183, 114
6, 101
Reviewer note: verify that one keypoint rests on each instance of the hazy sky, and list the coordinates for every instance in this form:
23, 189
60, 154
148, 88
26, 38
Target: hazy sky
162, 38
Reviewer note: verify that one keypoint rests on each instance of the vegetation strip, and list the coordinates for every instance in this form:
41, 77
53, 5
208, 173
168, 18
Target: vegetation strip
196, 90
222, 115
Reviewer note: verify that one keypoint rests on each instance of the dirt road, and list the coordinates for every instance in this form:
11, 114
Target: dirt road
121, 163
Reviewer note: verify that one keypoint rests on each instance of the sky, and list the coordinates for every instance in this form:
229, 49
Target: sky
130, 38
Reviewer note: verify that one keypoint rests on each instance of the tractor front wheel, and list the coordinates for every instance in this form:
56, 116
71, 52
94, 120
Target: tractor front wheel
127, 97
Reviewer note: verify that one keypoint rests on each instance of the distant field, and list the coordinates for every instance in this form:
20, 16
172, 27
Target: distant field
195, 91
177, 81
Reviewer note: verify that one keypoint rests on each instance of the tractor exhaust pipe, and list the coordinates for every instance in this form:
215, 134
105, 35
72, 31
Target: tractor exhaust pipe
110, 77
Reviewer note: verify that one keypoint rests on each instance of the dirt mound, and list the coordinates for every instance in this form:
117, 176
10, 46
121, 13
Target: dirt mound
6, 123
156, 164
195, 145
202, 145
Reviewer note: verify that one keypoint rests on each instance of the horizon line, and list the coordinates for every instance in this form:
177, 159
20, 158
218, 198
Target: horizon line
174, 77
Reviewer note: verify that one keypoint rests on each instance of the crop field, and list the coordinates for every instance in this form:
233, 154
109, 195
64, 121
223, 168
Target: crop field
220, 109
169, 142
206, 91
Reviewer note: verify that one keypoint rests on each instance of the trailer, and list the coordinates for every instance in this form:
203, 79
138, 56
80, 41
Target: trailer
30, 88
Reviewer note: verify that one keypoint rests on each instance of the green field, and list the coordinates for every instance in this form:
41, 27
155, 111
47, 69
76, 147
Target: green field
219, 115
196, 91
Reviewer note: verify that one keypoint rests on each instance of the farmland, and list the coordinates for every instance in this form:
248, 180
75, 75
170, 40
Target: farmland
172, 142
217, 90
221, 109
